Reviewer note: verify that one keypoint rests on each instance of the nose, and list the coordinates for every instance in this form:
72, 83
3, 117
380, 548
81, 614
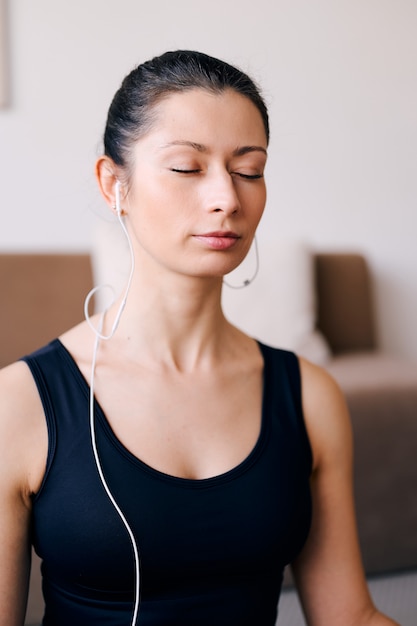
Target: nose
221, 194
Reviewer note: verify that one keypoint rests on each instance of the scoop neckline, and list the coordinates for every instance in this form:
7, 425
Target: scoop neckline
210, 481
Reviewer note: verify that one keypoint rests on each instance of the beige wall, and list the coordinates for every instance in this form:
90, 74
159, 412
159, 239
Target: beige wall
3, 55
341, 81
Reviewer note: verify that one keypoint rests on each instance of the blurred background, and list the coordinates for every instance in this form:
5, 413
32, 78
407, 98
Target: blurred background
340, 79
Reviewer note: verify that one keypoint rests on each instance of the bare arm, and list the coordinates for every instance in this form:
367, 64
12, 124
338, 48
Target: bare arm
329, 572
23, 443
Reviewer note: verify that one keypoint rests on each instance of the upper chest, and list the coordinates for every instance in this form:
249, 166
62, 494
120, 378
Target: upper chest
191, 425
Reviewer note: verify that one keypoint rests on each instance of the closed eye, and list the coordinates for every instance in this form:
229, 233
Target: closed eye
174, 169
248, 176
197, 171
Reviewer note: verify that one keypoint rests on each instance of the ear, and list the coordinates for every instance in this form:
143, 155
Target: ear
106, 175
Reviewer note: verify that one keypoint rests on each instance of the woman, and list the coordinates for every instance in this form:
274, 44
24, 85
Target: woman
208, 461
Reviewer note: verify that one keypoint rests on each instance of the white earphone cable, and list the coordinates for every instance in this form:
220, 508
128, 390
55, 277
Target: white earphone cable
100, 336
106, 487
96, 331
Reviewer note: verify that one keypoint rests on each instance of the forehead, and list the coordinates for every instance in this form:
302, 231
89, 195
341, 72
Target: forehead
204, 117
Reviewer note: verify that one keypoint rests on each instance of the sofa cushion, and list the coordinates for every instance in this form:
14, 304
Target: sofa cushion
279, 306
373, 371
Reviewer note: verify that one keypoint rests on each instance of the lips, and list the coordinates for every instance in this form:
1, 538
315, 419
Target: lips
218, 240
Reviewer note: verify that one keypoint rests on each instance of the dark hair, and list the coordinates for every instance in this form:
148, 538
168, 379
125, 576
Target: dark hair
132, 110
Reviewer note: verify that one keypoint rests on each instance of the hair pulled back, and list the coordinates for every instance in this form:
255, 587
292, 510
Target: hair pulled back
131, 112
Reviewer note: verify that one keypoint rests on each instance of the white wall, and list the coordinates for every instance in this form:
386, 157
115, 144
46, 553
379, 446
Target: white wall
340, 77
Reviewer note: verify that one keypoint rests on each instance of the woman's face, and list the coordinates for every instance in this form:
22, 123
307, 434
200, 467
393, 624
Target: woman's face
197, 190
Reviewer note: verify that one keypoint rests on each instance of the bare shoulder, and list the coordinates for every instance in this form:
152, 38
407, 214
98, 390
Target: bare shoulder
17, 388
325, 412
23, 432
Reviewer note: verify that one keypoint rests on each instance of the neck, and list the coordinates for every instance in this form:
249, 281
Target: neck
175, 320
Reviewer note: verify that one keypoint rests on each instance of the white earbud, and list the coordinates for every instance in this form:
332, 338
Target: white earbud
98, 331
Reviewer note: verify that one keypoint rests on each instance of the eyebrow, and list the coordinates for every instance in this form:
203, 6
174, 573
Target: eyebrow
247, 149
191, 144
202, 148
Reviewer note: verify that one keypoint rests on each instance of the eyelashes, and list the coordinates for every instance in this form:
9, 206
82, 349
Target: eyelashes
248, 176
181, 171
239, 174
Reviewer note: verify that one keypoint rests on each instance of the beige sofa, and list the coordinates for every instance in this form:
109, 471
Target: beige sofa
381, 392
42, 295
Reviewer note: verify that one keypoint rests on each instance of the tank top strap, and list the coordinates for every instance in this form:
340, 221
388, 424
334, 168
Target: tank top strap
59, 384
283, 391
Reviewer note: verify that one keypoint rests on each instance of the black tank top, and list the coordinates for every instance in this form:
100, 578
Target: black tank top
212, 551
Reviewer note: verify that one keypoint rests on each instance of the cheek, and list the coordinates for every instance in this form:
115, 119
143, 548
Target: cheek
164, 193
161, 209
261, 199
255, 204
